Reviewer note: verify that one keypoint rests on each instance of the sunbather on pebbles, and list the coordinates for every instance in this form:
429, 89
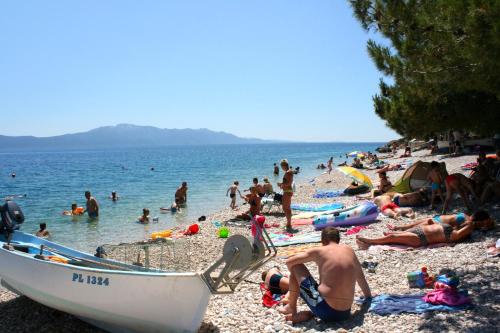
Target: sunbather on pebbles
434, 233
391, 209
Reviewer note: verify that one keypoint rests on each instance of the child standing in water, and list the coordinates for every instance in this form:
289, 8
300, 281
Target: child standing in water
436, 180
232, 193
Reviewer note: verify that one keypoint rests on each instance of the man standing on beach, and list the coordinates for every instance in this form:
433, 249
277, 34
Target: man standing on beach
92, 206
339, 270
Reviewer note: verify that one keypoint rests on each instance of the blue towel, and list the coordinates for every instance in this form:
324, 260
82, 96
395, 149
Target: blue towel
317, 207
328, 194
395, 304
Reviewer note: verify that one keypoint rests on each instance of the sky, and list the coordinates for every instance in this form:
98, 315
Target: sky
272, 69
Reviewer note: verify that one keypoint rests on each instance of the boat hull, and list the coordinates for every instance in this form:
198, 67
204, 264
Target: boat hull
120, 301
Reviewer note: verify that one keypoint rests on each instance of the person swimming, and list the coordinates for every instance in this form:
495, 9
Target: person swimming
43, 232
114, 196
75, 210
144, 219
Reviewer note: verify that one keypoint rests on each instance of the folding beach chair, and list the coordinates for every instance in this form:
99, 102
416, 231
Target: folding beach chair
271, 201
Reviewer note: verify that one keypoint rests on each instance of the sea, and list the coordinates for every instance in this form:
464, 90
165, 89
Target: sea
48, 182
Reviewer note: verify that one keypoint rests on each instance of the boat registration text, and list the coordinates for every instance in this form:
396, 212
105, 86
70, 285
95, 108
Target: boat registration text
90, 279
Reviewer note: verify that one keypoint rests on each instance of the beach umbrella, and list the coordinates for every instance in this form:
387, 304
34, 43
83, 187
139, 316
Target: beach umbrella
357, 154
356, 175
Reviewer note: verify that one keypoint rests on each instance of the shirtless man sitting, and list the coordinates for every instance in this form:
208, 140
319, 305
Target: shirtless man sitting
391, 209
339, 270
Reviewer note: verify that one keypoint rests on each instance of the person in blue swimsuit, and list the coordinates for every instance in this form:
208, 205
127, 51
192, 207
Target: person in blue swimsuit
436, 179
455, 221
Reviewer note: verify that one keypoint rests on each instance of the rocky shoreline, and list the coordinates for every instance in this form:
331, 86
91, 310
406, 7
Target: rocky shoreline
243, 310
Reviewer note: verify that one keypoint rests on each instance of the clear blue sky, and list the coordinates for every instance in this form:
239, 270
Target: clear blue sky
289, 69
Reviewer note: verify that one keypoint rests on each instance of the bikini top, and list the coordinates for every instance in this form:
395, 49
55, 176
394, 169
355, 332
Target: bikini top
459, 218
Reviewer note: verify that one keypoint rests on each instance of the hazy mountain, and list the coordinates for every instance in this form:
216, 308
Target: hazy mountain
123, 135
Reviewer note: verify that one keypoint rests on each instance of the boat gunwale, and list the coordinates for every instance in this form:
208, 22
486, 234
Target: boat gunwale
134, 271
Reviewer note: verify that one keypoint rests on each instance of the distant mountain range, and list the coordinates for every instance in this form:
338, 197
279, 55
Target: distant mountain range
124, 135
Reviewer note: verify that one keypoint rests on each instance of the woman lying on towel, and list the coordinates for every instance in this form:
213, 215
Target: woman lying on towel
456, 221
431, 233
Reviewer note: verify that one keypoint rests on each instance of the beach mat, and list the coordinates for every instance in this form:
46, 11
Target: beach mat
377, 248
307, 207
280, 240
311, 215
320, 194
385, 304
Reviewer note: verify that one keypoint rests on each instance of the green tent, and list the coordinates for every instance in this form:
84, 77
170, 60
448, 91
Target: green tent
415, 177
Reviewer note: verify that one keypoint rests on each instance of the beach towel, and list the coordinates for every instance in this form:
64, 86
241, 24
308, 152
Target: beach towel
301, 222
268, 298
394, 247
448, 296
287, 252
307, 207
311, 215
396, 304
328, 194
355, 230
291, 239
469, 166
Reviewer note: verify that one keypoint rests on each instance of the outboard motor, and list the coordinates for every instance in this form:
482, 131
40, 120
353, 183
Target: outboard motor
11, 217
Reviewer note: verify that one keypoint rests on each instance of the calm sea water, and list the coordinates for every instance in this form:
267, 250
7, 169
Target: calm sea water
54, 180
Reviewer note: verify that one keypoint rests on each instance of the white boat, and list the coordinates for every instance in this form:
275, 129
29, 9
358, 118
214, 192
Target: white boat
115, 296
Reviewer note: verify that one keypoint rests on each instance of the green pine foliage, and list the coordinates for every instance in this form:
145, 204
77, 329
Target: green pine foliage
443, 63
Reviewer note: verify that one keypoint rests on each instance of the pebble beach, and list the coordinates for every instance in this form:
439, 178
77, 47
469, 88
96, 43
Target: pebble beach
243, 310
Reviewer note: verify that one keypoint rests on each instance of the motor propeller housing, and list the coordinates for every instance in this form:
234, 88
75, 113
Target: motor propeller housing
11, 217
